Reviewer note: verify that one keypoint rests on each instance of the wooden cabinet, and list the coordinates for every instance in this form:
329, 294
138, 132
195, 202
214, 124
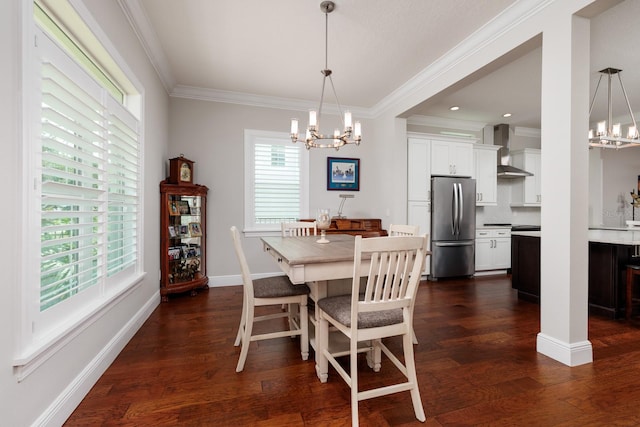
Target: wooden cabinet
419, 170
419, 186
607, 290
527, 192
365, 227
525, 267
485, 173
607, 281
451, 158
183, 231
419, 213
493, 249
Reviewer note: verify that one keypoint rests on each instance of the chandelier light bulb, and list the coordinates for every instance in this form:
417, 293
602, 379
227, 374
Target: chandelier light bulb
633, 132
347, 120
294, 127
313, 119
602, 128
616, 131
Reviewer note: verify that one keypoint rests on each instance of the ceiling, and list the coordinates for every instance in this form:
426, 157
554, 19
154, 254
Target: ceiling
277, 49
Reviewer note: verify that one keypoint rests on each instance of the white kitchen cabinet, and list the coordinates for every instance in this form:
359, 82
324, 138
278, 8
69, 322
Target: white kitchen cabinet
527, 192
485, 173
419, 213
451, 158
419, 169
493, 249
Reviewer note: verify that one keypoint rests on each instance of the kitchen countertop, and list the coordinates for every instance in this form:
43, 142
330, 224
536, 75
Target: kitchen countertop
617, 236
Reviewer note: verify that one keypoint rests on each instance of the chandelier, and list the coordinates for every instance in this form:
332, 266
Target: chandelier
313, 137
609, 134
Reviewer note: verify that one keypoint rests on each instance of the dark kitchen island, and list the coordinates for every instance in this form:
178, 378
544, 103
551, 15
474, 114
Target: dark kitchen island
610, 250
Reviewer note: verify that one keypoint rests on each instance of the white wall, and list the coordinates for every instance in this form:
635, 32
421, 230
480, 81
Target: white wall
620, 171
51, 392
212, 134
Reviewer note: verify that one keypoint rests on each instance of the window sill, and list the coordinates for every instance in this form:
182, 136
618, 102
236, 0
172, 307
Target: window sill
33, 356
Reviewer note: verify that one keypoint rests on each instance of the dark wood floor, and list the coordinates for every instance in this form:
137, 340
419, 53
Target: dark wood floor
476, 363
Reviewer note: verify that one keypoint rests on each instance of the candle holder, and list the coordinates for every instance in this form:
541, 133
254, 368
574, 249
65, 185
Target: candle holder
323, 222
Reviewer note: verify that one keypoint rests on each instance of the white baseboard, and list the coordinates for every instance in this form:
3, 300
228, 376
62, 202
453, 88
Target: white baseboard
490, 273
64, 405
571, 354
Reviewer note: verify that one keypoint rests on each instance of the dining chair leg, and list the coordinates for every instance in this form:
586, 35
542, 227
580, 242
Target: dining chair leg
246, 339
242, 320
353, 358
374, 356
303, 311
322, 345
409, 362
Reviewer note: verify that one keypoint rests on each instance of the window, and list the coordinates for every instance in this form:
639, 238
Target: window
85, 227
276, 174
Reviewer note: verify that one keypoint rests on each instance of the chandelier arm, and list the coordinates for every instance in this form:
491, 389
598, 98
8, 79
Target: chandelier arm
593, 100
333, 88
626, 98
324, 81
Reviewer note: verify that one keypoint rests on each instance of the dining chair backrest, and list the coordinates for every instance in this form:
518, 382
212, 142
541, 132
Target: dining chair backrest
244, 266
403, 230
299, 228
393, 275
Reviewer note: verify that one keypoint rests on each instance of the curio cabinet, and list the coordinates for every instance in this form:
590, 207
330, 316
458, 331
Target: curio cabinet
183, 231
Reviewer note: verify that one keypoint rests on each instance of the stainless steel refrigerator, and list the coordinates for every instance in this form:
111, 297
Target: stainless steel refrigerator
453, 226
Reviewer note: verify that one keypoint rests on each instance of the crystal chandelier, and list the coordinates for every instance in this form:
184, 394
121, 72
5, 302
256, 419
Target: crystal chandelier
609, 134
313, 137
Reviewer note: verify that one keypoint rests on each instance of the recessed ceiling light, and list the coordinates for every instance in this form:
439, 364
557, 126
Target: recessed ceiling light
454, 108
506, 115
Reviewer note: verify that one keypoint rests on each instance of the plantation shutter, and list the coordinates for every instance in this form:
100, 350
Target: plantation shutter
277, 182
90, 185
123, 175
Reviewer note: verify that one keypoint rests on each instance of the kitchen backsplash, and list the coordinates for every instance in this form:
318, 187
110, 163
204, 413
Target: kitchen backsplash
503, 212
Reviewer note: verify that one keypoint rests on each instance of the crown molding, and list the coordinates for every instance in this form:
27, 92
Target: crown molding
240, 98
139, 21
440, 122
528, 132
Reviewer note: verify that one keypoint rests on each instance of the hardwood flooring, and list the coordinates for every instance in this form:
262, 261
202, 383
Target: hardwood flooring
476, 362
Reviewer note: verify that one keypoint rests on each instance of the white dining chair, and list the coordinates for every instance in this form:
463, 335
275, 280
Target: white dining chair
276, 290
403, 230
384, 309
299, 228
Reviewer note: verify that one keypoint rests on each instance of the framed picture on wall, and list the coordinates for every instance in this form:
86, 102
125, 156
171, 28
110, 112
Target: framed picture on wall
343, 174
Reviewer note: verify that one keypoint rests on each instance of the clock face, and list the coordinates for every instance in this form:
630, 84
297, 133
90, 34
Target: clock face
185, 172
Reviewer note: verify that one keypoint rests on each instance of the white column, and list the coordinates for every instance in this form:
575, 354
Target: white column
565, 195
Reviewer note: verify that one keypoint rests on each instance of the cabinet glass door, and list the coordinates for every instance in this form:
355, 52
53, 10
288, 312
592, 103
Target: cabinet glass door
185, 238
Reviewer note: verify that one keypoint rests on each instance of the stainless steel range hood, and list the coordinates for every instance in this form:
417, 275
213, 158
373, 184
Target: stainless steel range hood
505, 170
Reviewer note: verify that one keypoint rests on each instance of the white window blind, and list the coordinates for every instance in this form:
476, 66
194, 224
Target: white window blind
277, 177
90, 173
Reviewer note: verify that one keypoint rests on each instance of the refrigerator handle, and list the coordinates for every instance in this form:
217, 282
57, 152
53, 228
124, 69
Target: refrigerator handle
460, 206
454, 210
